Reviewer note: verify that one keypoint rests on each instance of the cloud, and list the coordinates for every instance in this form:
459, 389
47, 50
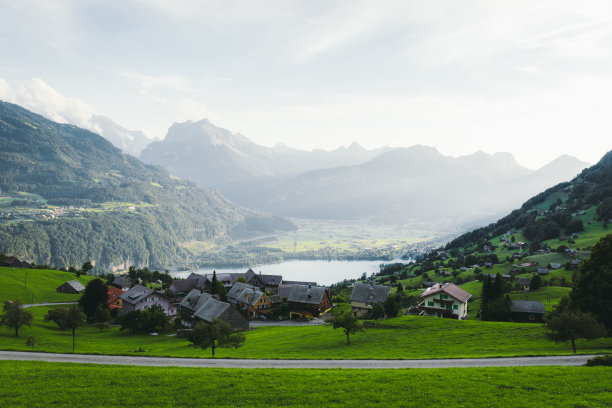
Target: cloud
37, 96
171, 81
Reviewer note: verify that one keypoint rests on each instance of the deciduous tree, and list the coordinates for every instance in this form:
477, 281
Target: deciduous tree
215, 334
569, 325
348, 323
15, 316
96, 294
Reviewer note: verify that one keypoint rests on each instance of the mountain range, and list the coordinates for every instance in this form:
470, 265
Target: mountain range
391, 185
116, 210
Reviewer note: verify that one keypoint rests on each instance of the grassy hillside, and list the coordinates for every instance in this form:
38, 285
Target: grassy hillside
38, 286
39, 384
408, 337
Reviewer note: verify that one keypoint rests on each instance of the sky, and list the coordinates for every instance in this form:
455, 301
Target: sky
533, 78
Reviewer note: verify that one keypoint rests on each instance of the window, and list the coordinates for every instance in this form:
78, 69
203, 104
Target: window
430, 303
443, 296
456, 307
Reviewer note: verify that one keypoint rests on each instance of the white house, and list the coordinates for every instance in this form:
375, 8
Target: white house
445, 300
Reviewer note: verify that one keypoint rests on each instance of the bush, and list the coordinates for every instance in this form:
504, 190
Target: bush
600, 361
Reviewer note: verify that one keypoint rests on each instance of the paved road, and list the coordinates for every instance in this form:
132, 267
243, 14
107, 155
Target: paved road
49, 304
241, 363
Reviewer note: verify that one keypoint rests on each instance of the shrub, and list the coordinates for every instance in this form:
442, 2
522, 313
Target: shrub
600, 361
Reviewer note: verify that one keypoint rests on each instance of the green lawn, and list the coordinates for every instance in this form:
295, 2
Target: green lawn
406, 337
39, 287
39, 384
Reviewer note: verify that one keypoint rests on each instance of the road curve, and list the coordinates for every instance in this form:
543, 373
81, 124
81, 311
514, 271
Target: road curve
573, 360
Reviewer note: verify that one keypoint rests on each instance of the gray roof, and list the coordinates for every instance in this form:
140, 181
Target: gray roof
122, 280
269, 280
523, 281
244, 293
527, 306
185, 285
191, 299
76, 285
136, 293
367, 293
286, 282
306, 294
210, 310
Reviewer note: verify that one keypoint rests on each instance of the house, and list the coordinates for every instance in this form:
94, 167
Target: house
73, 286
575, 263
554, 266
180, 287
445, 300
140, 297
308, 301
266, 283
428, 284
114, 298
527, 311
202, 306
364, 296
122, 282
488, 265
523, 284
542, 271
249, 299
284, 289
13, 262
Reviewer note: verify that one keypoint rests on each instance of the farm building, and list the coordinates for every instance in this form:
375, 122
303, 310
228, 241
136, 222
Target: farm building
73, 286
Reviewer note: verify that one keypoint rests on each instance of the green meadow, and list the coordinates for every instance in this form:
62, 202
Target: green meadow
39, 384
406, 337
36, 285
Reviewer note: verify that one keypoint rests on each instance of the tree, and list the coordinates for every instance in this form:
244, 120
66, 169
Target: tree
31, 342
593, 283
213, 284
570, 325
215, 334
96, 294
87, 266
392, 305
15, 316
348, 322
67, 318
377, 311
536, 282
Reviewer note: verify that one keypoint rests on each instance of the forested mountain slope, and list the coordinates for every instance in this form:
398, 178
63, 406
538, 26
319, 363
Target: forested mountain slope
68, 196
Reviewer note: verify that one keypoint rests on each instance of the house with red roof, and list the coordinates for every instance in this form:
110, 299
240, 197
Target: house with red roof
445, 300
114, 300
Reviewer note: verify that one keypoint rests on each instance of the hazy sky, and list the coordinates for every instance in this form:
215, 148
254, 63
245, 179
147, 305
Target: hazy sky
530, 77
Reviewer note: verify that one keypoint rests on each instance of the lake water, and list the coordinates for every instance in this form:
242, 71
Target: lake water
322, 272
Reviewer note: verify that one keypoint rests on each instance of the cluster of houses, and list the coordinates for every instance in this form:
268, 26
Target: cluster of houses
249, 296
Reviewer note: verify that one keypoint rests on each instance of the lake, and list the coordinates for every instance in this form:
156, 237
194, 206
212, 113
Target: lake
322, 272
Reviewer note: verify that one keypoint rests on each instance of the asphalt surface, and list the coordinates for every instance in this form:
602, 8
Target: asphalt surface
573, 360
49, 304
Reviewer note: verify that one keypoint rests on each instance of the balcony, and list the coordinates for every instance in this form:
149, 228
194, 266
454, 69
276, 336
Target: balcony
444, 301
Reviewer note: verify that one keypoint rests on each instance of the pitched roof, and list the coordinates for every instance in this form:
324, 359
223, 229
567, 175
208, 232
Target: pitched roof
450, 289
185, 285
76, 285
284, 290
307, 294
527, 306
244, 293
368, 293
285, 282
523, 281
211, 309
135, 294
268, 280
122, 280
113, 294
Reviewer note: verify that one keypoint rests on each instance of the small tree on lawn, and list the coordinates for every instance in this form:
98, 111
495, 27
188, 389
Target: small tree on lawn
15, 316
215, 334
569, 325
348, 322
67, 318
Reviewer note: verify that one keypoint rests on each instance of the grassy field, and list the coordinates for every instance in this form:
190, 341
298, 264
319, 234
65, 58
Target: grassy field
38, 384
406, 337
39, 287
